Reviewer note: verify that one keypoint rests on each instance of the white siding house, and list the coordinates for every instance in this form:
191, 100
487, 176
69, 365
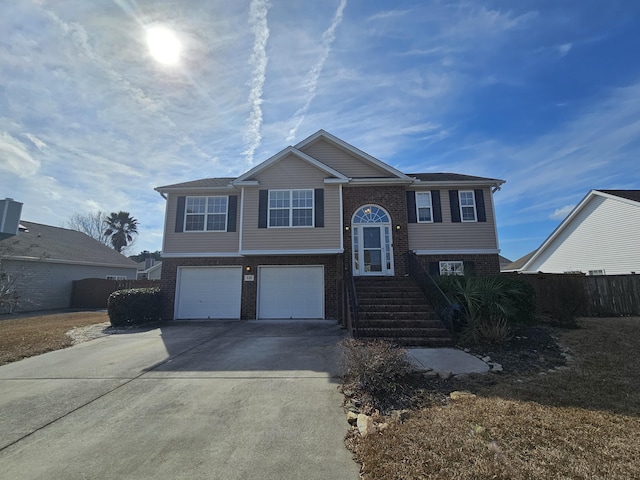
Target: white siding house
601, 236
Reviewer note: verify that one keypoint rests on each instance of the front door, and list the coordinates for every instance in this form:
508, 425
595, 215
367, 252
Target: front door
371, 241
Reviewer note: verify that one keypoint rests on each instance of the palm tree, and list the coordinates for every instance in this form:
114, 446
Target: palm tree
120, 228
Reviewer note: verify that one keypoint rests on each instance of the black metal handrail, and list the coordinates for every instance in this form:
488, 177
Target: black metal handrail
353, 310
446, 311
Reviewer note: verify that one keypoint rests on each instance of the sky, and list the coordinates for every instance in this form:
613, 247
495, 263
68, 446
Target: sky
542, 94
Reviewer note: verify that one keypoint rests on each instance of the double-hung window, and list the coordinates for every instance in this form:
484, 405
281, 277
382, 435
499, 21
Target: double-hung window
467, 206
206, 214
290, 208
424, 207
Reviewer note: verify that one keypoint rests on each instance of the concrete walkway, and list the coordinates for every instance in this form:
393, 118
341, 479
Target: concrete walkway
197, 400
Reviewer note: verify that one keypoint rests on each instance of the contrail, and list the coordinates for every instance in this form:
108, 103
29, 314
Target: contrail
258, 60
311, 83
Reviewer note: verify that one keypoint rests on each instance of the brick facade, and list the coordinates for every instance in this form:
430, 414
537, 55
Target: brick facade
332, 279
394, 201
483, 264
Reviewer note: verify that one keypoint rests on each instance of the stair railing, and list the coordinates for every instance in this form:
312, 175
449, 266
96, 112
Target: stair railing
353, 308
446, 311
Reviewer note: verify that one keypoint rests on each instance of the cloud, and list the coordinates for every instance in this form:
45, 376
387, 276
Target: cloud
564, 49
311, 83
561, 213
258, 60
388, 14
36, 141
16, 158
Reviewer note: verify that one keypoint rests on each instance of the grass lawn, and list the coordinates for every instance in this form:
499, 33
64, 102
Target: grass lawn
26, 336
579, 423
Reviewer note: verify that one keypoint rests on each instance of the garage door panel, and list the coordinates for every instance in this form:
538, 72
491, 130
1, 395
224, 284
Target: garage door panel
291, 292
209, 292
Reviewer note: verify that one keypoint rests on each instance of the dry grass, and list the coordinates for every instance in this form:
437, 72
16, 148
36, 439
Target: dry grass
26, 336
582, 422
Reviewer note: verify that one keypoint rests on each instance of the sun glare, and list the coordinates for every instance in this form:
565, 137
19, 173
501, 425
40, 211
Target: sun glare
164, 45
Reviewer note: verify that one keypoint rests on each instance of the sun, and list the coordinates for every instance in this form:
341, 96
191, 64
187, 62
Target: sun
164, 45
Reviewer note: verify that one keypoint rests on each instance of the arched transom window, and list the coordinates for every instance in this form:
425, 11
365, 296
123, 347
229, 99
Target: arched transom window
371, 214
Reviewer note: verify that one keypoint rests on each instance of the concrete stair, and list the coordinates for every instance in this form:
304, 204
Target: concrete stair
395, 309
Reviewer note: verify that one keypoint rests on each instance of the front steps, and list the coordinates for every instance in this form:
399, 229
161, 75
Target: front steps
395, 309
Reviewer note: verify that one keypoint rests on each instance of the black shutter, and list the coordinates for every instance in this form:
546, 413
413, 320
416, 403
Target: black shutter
180, 215
233, 213
480, 210
318, 194
454, 202
263, 203
434, 269
437, 207
412, 215
469, 267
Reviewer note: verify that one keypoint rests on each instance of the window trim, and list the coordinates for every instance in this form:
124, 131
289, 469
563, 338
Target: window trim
475, 207
451, 272
430, 207
205, 230
291, 208
116, 277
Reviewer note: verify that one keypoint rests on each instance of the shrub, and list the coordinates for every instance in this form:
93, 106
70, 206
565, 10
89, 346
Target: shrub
134, 306
490, 305
375, 367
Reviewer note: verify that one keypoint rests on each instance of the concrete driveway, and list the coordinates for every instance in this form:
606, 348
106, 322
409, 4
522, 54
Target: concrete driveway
197, 400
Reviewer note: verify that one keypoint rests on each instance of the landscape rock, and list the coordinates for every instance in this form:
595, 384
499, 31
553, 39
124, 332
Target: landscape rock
496, 367
430, 374
352, 418
445, 375
486, 359
365, 425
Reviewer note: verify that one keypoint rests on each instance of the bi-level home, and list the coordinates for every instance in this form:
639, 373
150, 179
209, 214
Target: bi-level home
277, 241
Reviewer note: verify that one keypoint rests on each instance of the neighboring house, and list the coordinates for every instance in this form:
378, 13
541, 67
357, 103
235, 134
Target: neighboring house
273, 242
504, 262
149, 269
599, 237
42, 261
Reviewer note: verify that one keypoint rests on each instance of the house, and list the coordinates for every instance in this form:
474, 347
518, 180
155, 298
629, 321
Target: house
149, 269
599, 237
42, 261
273, 242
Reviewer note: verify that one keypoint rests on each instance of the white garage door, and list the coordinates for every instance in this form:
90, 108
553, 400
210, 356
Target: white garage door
208, 292
291, 292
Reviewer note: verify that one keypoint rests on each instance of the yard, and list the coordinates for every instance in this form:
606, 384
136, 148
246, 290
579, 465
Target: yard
24, 336
581, 420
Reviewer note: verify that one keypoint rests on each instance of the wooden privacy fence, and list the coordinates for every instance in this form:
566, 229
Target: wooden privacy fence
584, 295
94, 292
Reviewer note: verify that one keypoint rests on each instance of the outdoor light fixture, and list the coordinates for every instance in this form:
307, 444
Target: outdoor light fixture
398, 227
247, 269
347, 228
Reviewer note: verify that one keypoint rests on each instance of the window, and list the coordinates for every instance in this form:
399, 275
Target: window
116, 277
596, 272
467, 206
291, 208
452, 268
206, 214
423, 207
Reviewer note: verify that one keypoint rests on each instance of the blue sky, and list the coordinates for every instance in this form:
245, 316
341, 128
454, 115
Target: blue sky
542, 94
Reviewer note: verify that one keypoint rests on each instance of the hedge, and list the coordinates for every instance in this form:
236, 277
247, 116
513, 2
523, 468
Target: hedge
134, 306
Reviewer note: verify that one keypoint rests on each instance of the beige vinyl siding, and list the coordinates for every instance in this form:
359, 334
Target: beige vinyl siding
455, 236
602, 236
345, 163
292, 173
198, 242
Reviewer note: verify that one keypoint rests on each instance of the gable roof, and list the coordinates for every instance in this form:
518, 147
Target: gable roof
626, 196
247, 177
204, 183
519, 263
332, 139
60, 245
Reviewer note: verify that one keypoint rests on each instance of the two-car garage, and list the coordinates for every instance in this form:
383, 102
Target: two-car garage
283, 291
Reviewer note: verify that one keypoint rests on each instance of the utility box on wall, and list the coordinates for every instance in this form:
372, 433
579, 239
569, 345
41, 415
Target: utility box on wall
10, 211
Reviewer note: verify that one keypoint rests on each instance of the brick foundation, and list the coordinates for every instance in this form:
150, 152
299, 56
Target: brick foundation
486, 264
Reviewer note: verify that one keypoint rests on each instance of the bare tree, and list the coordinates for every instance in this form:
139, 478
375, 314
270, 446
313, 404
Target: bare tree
93, 224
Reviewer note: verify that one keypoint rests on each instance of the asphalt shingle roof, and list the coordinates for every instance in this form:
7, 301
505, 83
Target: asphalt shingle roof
202, 183
450, 177
628, 194
56, 243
